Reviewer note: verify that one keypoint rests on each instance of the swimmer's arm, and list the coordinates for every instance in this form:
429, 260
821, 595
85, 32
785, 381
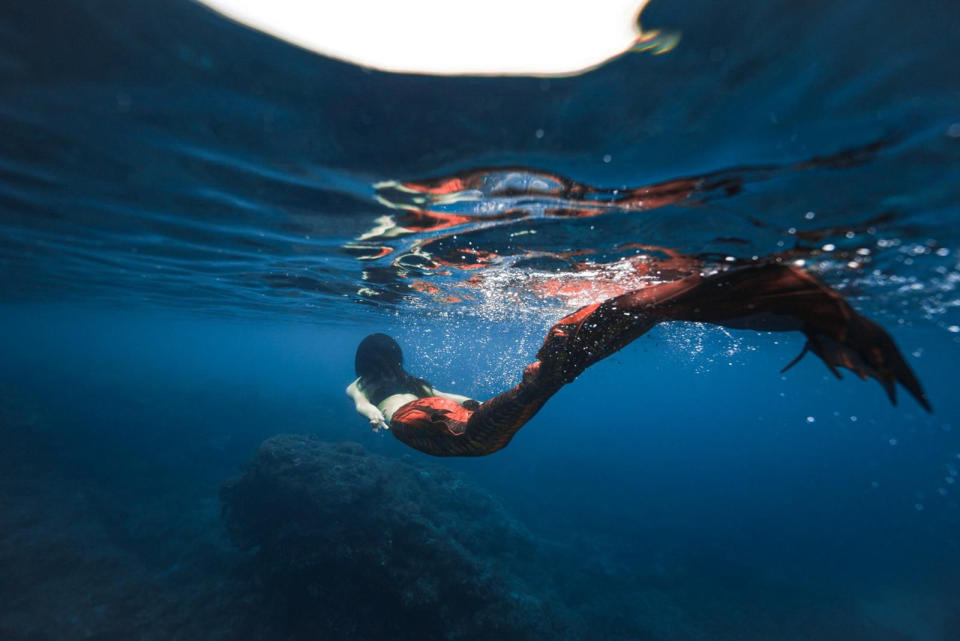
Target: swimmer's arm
367, 409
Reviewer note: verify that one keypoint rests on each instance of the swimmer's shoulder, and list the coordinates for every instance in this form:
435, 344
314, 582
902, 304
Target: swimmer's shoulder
354, 388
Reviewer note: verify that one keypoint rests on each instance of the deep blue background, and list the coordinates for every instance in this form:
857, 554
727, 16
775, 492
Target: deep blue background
701, 469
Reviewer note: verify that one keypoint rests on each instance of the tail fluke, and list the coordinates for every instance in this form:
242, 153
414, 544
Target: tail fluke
869, 352
767, 297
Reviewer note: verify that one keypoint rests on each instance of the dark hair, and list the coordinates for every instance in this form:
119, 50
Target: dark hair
379, 365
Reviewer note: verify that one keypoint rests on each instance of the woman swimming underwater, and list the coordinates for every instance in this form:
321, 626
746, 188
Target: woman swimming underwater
769, 297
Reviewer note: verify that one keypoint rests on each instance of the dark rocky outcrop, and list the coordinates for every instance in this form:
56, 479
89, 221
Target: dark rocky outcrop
356, 545
340, 544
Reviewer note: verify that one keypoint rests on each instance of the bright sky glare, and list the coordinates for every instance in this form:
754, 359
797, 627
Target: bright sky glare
515, 37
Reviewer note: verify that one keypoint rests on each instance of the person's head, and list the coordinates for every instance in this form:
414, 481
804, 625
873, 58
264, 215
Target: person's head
379, 356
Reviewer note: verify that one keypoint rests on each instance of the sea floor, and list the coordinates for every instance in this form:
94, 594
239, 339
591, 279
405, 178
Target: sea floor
131, 551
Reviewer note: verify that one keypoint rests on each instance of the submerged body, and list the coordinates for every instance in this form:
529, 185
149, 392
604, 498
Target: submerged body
381, 413
769, 297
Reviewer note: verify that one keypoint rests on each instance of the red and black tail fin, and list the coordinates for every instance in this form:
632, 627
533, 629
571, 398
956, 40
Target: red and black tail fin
765, 297
869, 352
777, 297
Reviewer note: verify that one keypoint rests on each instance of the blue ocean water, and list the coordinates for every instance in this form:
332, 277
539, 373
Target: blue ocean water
198, 224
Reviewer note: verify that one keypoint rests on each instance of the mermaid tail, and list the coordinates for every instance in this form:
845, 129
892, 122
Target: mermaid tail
442, 427
768, 297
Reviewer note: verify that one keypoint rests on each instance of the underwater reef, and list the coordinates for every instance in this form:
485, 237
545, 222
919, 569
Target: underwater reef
103, 535
356, 545
349, 544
